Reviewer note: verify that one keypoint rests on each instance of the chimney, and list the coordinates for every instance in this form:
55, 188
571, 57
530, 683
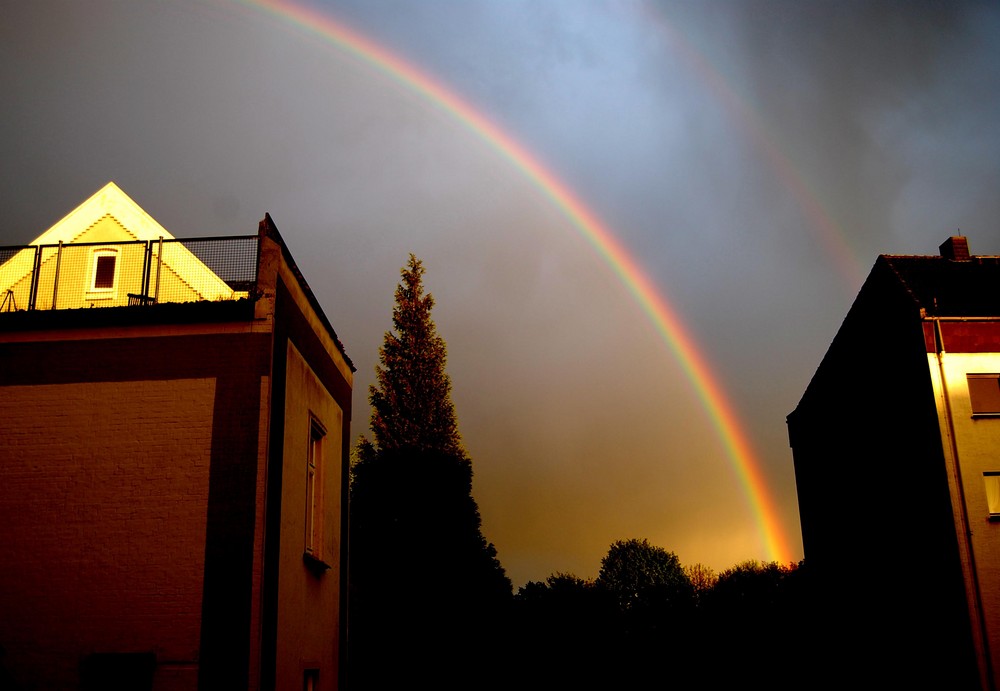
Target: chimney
955, 248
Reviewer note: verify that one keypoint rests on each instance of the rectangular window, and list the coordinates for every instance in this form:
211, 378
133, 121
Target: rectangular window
984, 393
992, 482
314, 489
104, 271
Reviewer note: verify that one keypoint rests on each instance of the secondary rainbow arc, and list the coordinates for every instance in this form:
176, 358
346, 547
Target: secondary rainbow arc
824, 228
664, 318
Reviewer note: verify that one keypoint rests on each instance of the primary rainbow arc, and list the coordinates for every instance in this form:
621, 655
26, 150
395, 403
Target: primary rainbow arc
662, 315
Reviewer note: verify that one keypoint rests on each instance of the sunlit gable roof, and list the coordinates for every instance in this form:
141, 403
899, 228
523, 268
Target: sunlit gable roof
109, 201
111, 216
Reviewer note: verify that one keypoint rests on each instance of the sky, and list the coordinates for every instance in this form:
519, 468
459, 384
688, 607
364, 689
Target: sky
750, 159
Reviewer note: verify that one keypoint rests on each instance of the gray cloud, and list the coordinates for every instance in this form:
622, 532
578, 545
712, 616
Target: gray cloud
699, 133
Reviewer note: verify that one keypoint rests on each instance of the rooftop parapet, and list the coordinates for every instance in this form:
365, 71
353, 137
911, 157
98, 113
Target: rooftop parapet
137, 272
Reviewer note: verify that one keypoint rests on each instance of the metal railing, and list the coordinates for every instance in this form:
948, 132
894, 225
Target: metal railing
139, 272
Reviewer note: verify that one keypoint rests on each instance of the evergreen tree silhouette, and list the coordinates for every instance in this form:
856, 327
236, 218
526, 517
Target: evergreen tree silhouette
428, 595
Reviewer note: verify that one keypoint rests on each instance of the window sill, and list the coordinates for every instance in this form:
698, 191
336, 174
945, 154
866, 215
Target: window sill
315, 564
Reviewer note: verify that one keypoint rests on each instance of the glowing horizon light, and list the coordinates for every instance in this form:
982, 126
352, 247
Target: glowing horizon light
662, 315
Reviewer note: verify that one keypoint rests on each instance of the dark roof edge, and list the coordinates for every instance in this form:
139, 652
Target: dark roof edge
882, 270
266, 228
887, 261
938, 257
200, 312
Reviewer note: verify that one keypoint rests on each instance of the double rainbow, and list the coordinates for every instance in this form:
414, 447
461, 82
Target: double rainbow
663, 317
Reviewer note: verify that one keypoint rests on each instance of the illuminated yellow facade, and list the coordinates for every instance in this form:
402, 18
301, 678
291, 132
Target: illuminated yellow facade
95, 257
970, 435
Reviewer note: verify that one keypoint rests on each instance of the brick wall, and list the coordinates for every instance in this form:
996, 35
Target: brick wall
105, 490
129, 473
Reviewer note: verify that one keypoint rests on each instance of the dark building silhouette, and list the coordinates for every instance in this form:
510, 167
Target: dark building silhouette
896, 444
174, 427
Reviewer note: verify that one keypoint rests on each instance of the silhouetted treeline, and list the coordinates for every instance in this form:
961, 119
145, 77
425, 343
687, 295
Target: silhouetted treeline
644, 620
663, 627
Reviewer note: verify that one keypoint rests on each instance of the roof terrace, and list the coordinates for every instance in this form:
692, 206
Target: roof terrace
136, 272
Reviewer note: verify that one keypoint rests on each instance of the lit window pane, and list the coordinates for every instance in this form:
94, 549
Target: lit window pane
992, 481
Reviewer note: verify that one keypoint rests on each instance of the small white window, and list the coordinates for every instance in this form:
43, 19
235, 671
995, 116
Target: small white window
992, 482
105, 265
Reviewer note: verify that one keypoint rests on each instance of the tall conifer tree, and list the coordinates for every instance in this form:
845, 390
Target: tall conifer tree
424, 584
411, 402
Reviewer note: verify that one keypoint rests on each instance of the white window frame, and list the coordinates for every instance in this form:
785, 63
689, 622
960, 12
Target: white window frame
314, 490
97, 255
991, 480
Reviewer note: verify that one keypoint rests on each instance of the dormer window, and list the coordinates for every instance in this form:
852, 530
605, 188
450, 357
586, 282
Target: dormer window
105, 261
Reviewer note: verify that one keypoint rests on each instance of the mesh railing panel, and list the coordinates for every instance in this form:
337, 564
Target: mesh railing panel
70, 279
233, 259
122, 273
15, 277
7, 253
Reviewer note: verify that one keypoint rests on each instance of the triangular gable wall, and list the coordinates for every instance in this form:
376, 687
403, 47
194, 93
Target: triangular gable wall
110, 200
111, 216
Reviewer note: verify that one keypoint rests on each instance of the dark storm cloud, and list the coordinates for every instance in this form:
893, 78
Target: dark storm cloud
825, 76
671, 120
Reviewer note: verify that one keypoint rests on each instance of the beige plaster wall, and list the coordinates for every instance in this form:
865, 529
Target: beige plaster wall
308, 603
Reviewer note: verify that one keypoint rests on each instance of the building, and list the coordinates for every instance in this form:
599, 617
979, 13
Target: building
896, 444
173, 465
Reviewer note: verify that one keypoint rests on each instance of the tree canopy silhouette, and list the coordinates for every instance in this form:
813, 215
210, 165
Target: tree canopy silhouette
637, 572
646, 615
426, 587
